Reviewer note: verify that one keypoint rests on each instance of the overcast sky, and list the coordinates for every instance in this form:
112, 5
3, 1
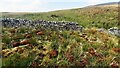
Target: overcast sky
46, 5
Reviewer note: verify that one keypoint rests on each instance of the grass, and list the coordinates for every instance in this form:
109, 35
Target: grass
64, 48
102, 17
72, 47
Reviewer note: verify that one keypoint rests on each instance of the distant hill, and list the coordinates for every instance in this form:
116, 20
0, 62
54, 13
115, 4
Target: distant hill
93, 16
111, 3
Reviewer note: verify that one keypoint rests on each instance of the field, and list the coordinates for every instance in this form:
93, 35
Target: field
25, 46
101, 17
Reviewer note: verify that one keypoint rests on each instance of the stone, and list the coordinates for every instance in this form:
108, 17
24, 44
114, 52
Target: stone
114, 31
53, 25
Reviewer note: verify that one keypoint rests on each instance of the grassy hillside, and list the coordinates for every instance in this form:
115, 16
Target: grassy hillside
99, 16
54, 48
23, 46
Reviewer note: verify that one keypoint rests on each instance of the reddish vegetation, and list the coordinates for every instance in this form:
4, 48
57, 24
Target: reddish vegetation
15, 44
94, 53
100, 60
99, 55
40, 33
91, 51
70, 58
36, 31
114, 65
93, 39
30, 45
53, 53
83, 62
34, 64
20, 50
24, 42
28, 35
116, 50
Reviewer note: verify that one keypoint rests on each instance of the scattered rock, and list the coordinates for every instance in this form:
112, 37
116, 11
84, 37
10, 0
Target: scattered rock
114, 31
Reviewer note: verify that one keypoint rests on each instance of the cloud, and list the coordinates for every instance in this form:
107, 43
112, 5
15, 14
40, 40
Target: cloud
22, 5
43, 5
92, 2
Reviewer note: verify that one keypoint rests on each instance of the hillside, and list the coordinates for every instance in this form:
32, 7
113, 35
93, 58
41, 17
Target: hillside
108, 4
97, 16
54, 39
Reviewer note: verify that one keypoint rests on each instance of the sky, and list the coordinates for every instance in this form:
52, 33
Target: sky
46, 5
